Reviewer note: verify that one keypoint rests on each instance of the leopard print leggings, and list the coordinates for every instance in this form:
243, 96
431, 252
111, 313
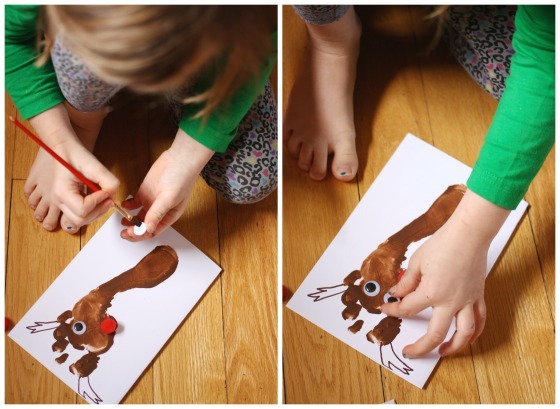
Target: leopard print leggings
245, 173
479, 37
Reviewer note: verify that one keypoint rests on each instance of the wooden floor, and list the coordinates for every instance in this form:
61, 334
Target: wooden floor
226, 349
399, 90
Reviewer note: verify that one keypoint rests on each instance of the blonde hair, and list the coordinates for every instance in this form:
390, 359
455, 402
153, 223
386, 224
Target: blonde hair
441, 13
160, 48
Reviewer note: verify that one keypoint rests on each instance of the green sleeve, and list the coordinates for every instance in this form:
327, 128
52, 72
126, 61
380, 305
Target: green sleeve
33, 89
220, 127
522, 130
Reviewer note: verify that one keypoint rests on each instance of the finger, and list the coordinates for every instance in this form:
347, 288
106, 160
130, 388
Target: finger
132, 203
464, 332
92, 208
409, 281
128, 234
156, 213
479, 311
437, 331
408, 306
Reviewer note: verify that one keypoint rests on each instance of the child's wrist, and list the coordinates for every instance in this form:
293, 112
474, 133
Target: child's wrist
191, 152
477, 219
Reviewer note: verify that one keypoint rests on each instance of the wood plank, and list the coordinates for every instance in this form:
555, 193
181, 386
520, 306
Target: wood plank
29, 274
248, 255
317, 367
541, 197
10, 133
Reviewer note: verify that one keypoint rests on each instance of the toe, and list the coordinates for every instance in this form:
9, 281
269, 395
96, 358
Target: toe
41, 210
345, 161
287, 132
67, 225
28, 188
51, 219
294, 147
34, 199
318, 169
305, 158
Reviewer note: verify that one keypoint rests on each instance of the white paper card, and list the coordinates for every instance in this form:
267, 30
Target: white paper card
415, 176
146, 317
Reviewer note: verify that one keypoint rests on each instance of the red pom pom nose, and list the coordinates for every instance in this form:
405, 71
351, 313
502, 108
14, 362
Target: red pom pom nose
109, 325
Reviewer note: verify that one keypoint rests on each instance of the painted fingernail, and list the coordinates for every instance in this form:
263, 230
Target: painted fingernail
392, 290
151, 228
404, 356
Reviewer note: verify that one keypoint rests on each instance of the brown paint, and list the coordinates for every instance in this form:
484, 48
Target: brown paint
85, 365
385, 332
351, 311
355, 327
61, 359
152, 270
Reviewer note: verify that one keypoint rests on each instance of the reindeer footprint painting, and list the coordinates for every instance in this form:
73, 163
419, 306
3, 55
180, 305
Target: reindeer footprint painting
413, 196
112, 309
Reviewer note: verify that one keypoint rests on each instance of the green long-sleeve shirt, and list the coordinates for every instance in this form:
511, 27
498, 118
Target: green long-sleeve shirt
522, 131
35, 89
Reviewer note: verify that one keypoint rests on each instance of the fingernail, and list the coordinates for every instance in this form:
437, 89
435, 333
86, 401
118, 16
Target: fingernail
151, 228
392, 290
404, 356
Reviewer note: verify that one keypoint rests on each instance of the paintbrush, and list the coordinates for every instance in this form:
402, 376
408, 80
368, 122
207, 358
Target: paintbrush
132, 219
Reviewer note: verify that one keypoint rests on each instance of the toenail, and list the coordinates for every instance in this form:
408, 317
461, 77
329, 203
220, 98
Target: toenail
39, 218
47, 226
69, 228
344, 172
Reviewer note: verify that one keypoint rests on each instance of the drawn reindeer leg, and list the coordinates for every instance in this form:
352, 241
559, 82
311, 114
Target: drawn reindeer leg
383, 335
86, 391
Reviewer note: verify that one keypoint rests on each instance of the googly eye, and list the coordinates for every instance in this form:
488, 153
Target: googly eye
389, 298
372, 288
79, 328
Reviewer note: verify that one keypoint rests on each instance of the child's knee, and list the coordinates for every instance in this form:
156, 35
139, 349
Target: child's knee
241, 190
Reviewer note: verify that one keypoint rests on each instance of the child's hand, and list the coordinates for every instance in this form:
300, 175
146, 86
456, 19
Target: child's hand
165, 191
447, 273
51, 188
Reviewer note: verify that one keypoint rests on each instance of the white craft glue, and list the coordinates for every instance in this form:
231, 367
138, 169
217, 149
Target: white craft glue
140, 230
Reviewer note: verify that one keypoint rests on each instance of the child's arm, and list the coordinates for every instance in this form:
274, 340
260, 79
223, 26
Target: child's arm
447, 272
166, 188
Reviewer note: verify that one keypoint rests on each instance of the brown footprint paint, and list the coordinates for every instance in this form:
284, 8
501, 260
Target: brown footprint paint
89, 327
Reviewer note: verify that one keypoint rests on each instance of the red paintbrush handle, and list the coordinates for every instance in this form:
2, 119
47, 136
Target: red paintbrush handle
85, 180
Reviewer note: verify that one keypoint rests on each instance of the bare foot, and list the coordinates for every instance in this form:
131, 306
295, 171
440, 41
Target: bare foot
319, 119
37, 187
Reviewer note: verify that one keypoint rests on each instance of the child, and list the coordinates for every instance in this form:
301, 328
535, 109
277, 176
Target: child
212, 60
447, 272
